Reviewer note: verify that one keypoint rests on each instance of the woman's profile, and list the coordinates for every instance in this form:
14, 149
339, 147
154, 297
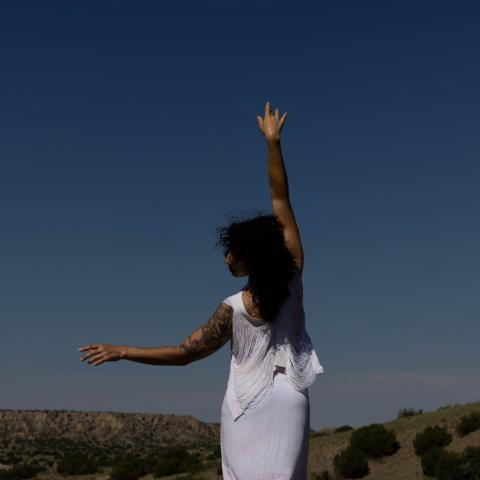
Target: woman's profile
265, 415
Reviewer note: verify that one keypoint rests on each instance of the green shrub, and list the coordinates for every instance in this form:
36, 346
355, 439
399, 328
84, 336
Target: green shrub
408, 412
468, 423
176, 460
450, 466
76, 464
21, 471
375, 441
148, 462
127, 468
444, 465
430, 461
343, 428
351, 463
431, 437
13, 458
167, 466
215, 453
324, 475
471, 459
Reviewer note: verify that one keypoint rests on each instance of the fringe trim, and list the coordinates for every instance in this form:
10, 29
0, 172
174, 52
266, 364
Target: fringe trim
254, 352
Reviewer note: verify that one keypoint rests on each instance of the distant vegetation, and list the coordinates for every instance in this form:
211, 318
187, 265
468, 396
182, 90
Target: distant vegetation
124, 445
375, 441
468, 424
430, 447
431, 437
372, 441
176, 460
408, 412
77, 459
446, 465
351, 463
129, 467
343, 428
21, 471
77, 464
169, 461
325, 475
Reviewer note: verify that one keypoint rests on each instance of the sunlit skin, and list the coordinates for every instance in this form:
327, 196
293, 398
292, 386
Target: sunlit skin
216, 331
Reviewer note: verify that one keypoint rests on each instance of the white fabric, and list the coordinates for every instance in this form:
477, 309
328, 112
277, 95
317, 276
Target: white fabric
265, 419
270, 441
259, 346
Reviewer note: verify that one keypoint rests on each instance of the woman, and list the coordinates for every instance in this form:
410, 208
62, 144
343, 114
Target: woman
265, 417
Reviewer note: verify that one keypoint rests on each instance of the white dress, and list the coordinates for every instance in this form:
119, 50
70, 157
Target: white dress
265, 417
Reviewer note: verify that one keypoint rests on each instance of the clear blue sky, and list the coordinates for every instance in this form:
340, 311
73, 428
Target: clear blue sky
129, 133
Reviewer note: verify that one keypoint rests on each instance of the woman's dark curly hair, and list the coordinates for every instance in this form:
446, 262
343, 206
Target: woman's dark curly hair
260, 243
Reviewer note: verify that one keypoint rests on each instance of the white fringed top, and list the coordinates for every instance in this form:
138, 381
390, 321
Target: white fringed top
259, 346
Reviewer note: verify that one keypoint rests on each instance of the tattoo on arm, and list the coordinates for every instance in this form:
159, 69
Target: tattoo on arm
210, 336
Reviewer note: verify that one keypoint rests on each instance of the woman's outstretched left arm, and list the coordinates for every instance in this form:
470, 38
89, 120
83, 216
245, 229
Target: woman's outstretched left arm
204, 341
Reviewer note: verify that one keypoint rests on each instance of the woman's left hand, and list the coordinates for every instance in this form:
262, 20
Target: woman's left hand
271, 125
102, 352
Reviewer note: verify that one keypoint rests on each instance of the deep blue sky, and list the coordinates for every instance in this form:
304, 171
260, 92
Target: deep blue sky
129, 132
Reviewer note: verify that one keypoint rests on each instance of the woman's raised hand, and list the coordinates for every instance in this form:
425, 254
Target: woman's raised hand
271, 125
102, 352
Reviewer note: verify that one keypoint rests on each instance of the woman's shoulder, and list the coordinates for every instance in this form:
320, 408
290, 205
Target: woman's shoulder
231, 300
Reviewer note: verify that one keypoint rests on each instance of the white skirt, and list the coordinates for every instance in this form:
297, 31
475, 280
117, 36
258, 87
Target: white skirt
269, 441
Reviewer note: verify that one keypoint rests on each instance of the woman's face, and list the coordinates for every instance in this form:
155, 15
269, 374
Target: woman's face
237, 268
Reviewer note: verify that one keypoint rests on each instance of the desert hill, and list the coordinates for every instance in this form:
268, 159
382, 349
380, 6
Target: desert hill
135, 432
403, 465
49, 435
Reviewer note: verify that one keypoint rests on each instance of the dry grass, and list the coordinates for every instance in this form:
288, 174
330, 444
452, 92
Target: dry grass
403, 465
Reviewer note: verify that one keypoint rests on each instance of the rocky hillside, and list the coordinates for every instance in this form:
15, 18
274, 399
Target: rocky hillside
40, 430
403, 465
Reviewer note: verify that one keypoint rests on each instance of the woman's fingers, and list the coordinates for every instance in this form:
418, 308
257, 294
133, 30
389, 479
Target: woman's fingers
85, 347
271, 125
268, 114
267, 109
282, 120
100, 358
89, 347
100, 353
260, 121
91, 350
85, 357
94, 357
